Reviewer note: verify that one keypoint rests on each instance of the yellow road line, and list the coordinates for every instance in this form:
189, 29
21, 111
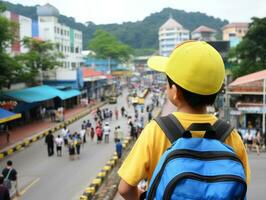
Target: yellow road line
22, 192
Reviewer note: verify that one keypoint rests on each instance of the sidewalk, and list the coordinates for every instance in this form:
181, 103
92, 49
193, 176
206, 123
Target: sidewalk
22, 132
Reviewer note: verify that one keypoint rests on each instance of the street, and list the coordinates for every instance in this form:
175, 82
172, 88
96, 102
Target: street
42, 177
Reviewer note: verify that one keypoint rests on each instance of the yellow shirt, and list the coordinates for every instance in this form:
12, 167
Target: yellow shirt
152, 143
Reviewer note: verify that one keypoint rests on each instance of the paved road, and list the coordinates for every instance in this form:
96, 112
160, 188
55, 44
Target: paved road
257, 164
57, 178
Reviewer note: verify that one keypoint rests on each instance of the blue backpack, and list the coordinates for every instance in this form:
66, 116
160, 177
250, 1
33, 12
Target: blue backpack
197, 168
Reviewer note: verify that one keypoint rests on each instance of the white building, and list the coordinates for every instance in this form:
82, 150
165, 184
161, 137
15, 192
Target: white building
171, 33
68, 40
24, 30
203, 33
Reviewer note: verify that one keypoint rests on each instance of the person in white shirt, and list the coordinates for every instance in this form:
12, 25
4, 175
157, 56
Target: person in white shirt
59, 143
65, 133
106, 132
82, 134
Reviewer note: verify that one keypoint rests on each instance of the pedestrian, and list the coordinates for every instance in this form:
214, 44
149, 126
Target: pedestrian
195, 74
59, 143
49, 140
110, 114
99, 113
115, 133
122, 111
82, 134
116, 113
6, 131
99, 133
52, 115
4, 193
92, 133
71, 147
84, 125
10, 175
106, 132
77, 143
257, 141
118, 148
65, 134
95, 118
120, 133
249, 138
88, 128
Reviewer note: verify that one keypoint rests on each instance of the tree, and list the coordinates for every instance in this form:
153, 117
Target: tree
9, 68
250, 54
40, 57
106, 46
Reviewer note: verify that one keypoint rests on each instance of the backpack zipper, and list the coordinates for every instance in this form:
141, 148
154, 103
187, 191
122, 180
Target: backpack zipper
207, 155
210, 179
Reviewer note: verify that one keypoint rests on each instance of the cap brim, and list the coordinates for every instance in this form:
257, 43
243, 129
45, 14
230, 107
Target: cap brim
158, 63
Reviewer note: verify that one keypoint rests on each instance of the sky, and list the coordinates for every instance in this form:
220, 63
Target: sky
119, 11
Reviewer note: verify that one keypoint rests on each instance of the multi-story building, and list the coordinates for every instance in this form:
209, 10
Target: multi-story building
203, 33
171, 33
234, 32
68, 40
24, 29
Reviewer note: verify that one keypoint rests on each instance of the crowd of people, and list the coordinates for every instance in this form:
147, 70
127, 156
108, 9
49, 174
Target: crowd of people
253, 140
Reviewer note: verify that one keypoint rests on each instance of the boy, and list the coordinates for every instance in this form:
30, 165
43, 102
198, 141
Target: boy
118, 148
195, 73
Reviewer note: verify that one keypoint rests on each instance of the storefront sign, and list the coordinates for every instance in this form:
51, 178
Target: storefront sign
8, 104
251, 109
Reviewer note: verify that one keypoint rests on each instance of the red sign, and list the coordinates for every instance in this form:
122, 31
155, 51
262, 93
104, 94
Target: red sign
8, 104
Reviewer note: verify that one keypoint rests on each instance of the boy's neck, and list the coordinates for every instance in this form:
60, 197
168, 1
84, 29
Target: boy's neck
190, 110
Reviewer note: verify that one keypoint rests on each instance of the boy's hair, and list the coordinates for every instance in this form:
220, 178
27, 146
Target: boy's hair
9, 163
194, 100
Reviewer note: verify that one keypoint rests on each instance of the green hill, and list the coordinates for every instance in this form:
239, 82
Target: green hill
139, 35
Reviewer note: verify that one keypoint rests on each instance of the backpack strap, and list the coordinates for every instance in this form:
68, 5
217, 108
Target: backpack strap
222, 129
8, 174
171, 127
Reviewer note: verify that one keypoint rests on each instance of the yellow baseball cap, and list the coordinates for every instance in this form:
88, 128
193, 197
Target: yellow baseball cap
193, 65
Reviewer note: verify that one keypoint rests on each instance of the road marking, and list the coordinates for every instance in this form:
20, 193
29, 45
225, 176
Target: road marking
22, 192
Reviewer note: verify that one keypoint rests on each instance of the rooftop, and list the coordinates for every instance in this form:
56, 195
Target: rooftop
236, 25
204, 29
171, 23
47, 10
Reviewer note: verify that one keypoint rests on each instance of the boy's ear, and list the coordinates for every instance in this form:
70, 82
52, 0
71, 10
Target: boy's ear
177, 95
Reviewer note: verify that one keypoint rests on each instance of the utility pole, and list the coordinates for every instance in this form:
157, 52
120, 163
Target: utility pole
227, 101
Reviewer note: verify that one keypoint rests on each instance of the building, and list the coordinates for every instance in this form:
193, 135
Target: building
203, 33
68, 40
234, 32
171, 33
24, 29
246, 94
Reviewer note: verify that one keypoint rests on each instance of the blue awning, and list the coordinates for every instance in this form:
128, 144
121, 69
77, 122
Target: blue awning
40, 93
66, 94
6, 116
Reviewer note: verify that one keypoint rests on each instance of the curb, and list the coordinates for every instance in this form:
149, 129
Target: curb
26, 142
97, 182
